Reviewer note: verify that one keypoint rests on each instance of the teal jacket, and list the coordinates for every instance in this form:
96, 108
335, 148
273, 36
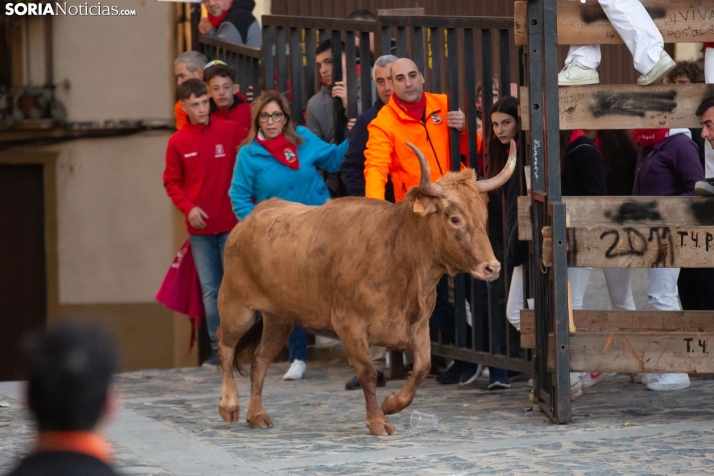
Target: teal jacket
257, 175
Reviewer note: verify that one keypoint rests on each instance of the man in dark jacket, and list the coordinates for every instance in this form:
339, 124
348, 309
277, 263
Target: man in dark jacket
352, 175
70, 395
232, 21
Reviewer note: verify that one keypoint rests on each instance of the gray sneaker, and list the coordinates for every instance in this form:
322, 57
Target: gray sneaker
705, 188
658, 71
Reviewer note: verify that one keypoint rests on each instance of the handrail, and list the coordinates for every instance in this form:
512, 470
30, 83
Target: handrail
232, 47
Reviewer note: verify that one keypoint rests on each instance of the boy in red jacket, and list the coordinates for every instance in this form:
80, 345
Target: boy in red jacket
225, 103
199, 167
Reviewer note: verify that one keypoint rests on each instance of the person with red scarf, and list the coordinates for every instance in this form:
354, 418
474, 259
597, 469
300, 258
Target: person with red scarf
199, 163
71, 397
232, 21
280, 160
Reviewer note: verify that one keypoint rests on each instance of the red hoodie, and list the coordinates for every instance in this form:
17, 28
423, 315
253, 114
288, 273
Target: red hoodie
238, 114
199, 167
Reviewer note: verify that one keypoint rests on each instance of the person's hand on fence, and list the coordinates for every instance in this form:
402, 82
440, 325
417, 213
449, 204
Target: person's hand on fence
456, 119
196, 218
351, 124
204, 26
249, 94
339, 90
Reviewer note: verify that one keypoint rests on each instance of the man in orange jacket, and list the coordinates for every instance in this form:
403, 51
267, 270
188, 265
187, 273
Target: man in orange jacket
415, 116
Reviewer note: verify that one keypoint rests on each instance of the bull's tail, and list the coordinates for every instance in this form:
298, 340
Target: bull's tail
246, 346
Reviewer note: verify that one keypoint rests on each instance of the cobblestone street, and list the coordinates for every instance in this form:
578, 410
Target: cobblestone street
170, 425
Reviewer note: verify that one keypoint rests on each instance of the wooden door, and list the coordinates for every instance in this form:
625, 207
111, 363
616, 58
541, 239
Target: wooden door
23, 283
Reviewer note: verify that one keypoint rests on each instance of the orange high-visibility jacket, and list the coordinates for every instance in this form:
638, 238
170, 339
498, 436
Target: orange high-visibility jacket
387, 152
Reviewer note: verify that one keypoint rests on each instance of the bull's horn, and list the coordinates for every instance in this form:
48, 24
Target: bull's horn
503, 176
429, 189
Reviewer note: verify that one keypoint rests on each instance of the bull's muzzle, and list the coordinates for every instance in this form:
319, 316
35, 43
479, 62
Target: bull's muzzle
487, 271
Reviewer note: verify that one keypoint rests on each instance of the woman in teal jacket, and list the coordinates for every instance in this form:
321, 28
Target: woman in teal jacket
279, 160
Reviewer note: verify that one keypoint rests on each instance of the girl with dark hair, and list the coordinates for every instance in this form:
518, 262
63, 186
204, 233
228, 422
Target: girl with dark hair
280, 160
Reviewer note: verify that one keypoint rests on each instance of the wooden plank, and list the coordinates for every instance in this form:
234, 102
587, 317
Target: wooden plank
679, 21
625, 106
631, 321
643, 246
626, 211
528, 341
631, 352
525, 231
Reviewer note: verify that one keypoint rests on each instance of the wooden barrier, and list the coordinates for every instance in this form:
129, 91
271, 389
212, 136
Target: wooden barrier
625, 106
679, 21
638, 212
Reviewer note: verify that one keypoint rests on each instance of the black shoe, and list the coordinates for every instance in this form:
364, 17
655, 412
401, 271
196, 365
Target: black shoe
354, 383
452, 374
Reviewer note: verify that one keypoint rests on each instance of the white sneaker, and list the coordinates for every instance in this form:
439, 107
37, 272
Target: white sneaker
575, 74
296, 370
667, 382
704, 188
590, 379
576, 385
658, 71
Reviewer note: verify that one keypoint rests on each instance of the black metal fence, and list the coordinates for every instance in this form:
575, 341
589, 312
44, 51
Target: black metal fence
455, 54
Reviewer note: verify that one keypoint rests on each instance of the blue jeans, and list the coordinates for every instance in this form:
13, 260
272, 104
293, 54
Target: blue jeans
208, 254
297, 344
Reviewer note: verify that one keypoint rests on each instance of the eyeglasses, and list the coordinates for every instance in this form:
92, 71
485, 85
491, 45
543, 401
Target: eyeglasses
276, 116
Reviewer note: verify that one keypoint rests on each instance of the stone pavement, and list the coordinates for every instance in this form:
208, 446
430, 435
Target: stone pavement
170, 425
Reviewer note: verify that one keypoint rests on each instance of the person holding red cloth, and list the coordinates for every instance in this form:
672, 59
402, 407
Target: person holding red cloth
199, 165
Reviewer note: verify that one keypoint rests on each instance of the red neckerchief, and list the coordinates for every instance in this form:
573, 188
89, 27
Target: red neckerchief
216, 21
508, 149
648, 137
577, 134
709, 45
75, 442
415, 110
282, 150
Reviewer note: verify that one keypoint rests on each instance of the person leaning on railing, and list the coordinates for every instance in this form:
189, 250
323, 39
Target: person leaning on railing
232, 21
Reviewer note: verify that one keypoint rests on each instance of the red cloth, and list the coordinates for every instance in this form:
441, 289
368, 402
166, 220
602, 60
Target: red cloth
414, 110
709, 45
238, 115
199, 167
216, 21
577, 134
282, 150
180, 290
648, 137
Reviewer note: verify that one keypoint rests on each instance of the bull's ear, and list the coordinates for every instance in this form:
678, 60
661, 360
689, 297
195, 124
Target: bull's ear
423, 204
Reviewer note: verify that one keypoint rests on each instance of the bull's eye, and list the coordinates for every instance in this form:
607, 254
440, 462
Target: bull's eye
455, 220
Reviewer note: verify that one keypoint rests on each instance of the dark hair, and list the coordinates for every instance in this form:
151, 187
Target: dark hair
191, 87
327, 45
222, 70
71, 368
496, 153
706, 104
257, 107
362, 15
620, 156
690, 69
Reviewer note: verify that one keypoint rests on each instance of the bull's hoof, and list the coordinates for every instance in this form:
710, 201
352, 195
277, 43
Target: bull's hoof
259, 420
229, 413
381, 427
391, 405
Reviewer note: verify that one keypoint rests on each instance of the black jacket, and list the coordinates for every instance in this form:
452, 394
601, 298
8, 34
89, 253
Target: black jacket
62, 463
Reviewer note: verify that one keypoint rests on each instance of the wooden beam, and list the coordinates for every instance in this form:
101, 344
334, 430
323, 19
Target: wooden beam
643, 246
626, 211
631, 352
631, 321
679, 21
625, 106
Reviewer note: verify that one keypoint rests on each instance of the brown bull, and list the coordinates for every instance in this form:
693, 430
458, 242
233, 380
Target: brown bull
366, 269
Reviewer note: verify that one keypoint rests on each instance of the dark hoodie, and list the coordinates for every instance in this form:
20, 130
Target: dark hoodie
240, 26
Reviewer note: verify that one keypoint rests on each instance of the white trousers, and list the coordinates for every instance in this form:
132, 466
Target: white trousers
578, 278
636, 29
619, 288
708, 78
662, 292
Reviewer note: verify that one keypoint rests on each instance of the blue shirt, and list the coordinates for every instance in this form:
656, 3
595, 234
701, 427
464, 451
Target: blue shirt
258, 175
